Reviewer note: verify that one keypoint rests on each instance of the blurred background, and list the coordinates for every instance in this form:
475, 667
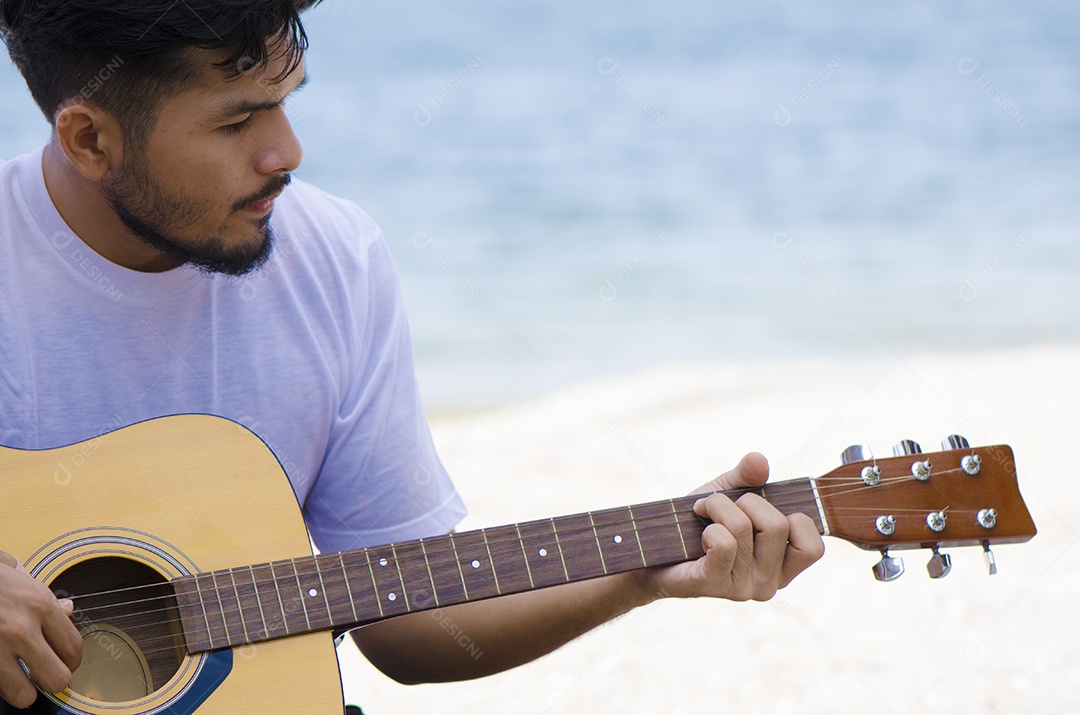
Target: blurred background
576, 190
655, 235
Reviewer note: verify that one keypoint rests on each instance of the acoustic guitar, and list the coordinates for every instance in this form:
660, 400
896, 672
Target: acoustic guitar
195, 588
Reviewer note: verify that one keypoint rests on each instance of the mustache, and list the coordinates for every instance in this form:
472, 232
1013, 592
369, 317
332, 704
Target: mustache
272, 187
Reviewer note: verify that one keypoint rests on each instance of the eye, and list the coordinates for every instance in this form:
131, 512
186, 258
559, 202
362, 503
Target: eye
238, 127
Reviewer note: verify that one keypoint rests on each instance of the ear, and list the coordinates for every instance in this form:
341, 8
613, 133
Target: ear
90, 138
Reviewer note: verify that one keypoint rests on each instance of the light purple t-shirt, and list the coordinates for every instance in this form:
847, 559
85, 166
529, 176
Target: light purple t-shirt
312, 353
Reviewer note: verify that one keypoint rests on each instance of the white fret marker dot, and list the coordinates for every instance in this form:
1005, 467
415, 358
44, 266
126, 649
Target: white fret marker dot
617, 539
475, 564
542, 552
313, 592
391, 597
382, 562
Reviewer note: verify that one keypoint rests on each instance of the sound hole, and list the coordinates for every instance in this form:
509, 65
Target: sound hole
127, 614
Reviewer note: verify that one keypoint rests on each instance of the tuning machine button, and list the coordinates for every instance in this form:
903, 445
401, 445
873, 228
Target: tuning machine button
885, 525
939, 564
889, 568
856, 453
987, 518
908, 447
905, 447
954, 441
988, 555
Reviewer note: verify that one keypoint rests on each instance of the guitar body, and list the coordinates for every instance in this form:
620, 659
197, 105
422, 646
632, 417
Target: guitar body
141, 506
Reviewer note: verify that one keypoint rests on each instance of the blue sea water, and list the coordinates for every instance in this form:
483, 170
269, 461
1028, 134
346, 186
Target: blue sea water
581, 189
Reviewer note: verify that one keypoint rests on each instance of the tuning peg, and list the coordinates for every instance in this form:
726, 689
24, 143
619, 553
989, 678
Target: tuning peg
889, 568
905, 447
939, 565
988, 555
856, 453
954, 441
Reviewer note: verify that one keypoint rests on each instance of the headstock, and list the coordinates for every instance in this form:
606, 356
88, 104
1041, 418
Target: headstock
961, 496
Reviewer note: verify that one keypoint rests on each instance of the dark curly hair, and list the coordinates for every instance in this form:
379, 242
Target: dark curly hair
128, 56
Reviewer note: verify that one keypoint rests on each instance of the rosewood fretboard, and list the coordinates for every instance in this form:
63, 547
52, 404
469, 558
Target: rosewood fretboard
338, 591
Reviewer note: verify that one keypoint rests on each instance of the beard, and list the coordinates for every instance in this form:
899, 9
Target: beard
154, 215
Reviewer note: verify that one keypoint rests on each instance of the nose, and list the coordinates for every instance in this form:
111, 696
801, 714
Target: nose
282, 151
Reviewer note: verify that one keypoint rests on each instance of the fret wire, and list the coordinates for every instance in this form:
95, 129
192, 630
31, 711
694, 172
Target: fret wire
348, 588
202, 607
221, 607
457, 560
401, 578
599, 549
258, 600
679, 527
322, 587
521, 543
637, 535
281, 603
300, 591
483, 532
431, 576
558, 545
239, 607
371, 572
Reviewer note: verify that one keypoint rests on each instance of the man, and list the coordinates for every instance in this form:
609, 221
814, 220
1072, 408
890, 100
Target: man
167, 172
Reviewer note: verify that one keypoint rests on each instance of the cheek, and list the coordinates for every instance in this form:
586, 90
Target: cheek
210, 173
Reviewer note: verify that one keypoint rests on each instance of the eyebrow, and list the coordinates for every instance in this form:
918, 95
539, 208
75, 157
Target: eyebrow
245, 106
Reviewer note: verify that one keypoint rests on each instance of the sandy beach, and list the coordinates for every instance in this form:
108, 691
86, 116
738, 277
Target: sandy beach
835, 641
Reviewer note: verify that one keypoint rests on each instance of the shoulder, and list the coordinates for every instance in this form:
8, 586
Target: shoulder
333, 237
331, 246
10, 171
305, 212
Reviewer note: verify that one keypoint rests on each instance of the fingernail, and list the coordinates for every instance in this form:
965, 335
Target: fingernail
66, 603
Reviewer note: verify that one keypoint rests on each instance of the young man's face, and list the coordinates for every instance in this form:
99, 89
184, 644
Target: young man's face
201, 189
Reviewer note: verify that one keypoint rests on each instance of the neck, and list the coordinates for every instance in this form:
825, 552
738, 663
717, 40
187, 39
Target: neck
339, 591
81, 202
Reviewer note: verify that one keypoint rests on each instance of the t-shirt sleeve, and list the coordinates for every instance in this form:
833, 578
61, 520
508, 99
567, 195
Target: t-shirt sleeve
381, 479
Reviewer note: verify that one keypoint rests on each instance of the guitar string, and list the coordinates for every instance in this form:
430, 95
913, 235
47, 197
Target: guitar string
228, 610
404, 576
567, 537
177, 638
587, 531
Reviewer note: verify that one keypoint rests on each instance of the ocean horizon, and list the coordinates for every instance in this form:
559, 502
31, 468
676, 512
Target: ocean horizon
573, 192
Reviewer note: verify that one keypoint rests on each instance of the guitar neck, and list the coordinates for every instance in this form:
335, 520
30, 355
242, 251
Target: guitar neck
342, 590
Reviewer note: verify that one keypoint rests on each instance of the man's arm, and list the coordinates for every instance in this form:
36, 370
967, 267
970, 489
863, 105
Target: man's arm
37, 628
751, 551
